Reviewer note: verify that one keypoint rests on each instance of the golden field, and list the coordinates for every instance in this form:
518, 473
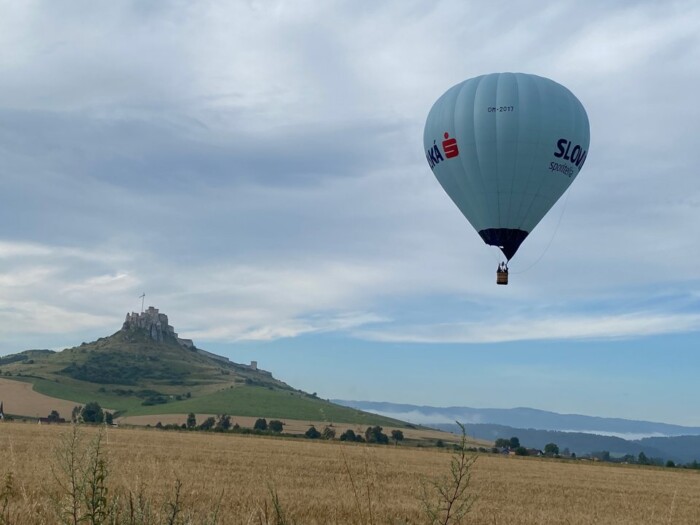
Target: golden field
331, 482
30, 403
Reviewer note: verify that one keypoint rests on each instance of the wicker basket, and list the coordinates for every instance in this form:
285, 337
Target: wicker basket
501, 277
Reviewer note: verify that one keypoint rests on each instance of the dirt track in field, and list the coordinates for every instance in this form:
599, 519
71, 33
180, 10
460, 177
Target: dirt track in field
19, 399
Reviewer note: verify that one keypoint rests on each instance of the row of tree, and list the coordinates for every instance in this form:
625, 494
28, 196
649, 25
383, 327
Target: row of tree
552, 450
639, 459
373, 434
223, 423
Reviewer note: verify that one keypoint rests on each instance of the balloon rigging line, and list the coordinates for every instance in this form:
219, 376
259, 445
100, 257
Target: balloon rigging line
551, 240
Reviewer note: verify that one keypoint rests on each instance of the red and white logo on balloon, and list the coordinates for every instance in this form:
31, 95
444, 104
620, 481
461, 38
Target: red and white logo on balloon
449, 146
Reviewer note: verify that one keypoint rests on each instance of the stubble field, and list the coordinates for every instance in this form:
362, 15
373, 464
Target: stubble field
24, 400
331, 482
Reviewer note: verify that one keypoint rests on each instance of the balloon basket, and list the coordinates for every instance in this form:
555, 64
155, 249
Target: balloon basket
501, 277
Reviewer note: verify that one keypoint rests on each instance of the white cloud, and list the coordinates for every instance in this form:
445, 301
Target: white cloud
38, 318
16, 249
537, 328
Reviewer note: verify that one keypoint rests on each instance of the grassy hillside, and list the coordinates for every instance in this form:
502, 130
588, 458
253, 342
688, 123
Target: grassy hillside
258, 401
130, 373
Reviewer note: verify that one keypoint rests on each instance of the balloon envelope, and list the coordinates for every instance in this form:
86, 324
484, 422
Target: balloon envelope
505, 147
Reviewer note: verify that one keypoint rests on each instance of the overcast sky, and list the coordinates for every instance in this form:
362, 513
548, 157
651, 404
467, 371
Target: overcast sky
257, 169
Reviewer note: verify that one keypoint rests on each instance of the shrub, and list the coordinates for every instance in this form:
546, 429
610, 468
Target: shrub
223, 422
375, 435
92, 413
208, 424
312, 433
275, 425
397, 435
348, 435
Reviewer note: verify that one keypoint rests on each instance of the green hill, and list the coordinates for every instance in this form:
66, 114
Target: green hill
139, 371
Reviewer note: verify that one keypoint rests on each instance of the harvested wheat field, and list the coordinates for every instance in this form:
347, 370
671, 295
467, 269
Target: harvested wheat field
24, 400
315, 482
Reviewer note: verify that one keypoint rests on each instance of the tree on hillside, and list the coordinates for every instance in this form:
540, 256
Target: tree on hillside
223, 422
312, 433
260, 424
348, 435
207, 424
54, 416
375, 435
521, 451
92, 413
514, 443
275, 425
75, 414
328, 433
551, 449
109, 418
191, 420
396, 435
642, 459
502, 443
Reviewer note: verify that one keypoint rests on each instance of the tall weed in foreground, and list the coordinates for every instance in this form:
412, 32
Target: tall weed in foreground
138, 508
447, 500
7, 493
82, 471
276, 514
69, 470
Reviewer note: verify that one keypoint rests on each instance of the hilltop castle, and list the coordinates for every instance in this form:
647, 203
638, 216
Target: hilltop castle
156, 324
157, 327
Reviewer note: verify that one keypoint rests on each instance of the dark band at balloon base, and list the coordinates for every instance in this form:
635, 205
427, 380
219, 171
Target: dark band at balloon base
507, 239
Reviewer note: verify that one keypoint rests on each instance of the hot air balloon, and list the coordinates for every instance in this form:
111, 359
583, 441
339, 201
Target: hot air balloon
505, 147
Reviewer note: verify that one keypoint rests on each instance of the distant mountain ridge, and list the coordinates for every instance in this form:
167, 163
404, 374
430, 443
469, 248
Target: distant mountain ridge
680, 449
535, 428
523, 417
